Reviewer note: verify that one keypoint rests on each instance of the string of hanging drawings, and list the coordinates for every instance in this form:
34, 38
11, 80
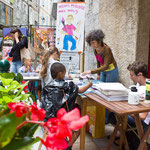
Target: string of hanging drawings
111, 91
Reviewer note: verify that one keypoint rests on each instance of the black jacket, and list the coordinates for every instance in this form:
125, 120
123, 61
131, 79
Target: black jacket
53, 97
15, 51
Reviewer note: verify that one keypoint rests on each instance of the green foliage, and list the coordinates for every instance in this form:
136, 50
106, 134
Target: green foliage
11, 89
7, 134
10, 138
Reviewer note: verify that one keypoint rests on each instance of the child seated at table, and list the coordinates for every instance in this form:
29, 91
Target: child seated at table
27, 67
60, 93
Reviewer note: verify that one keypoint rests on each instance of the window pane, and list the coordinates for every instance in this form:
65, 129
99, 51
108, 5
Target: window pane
2, 12
9, 16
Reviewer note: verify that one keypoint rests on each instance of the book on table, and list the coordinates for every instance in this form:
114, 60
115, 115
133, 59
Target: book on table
111, 91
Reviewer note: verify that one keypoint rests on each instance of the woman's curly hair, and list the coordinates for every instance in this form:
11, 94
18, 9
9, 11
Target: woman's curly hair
96, 35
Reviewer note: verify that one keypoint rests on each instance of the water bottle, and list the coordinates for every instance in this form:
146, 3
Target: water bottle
70, 70
133, 97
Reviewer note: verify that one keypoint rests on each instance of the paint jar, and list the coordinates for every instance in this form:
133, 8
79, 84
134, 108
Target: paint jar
147, 99
133, 97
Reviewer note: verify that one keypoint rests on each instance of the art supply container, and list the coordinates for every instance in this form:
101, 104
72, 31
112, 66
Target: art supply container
133, 97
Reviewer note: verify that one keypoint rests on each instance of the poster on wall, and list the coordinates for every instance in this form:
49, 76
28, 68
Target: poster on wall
6, 51
70, 26
43, 38
70, 58
6, 31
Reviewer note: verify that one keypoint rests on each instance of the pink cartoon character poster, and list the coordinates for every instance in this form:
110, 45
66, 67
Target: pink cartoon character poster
70, 26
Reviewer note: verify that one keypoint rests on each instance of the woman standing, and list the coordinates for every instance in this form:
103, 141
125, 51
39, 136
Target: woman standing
20, 42
107, 69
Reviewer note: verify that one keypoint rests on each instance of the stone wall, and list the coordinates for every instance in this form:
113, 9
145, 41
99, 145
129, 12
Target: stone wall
91, 22
143, 31
125, 28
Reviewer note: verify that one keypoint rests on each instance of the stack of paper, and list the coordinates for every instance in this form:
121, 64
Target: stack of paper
111, 91
88, 76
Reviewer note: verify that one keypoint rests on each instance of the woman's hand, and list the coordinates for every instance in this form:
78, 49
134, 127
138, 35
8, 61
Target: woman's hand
16, 37
86, 72
90, 83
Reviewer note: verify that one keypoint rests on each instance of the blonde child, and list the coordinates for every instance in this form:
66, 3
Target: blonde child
27, 67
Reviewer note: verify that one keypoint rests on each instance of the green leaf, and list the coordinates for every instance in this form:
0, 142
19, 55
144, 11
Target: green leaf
21, 143
32, 130
6, 134
4, 112
13, 86
2, 89
6, 82
8, 75
21, 88
5, 99
19, 78
27, 130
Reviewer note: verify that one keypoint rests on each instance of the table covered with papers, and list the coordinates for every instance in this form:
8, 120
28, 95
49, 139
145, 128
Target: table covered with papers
111, 91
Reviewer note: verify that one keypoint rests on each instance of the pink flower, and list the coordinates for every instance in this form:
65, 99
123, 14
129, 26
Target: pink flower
37, 113
20, 108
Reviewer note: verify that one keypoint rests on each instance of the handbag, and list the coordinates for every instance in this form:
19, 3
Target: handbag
27, 52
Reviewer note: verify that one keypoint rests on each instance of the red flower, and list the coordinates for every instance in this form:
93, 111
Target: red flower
61, 127
37, 113
52, 124
20, 108
76, 125
53, 143
63, 131
70, 116
75, 122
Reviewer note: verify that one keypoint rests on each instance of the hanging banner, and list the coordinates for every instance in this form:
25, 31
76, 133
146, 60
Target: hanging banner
6, 31
43, 38
70, 26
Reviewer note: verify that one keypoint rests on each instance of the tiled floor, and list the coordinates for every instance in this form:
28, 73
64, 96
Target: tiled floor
90, 143
96, 144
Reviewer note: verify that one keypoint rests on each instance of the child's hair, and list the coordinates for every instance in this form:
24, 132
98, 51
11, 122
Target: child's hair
13, 31
57, 68
41, 53
25, 59
45, 60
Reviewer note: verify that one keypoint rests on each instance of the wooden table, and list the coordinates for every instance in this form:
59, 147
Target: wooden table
121, 109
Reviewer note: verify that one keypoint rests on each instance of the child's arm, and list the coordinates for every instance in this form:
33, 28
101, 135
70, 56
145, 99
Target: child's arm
84, 88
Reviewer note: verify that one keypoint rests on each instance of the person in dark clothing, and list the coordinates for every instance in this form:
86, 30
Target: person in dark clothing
60, 94
20, 42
